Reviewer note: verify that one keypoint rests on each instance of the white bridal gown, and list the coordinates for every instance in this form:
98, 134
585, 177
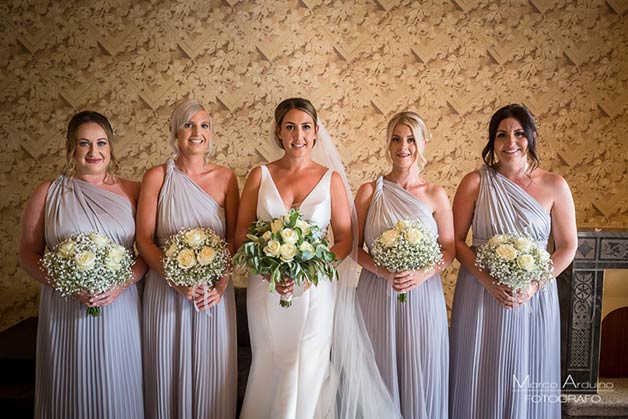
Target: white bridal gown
290, 346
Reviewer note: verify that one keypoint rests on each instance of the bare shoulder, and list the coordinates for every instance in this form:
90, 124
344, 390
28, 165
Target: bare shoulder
222, 172
42, 188
155, 174
254, 178
434, 190
336, 180
549, 179
471, 180
130, 188
366, 190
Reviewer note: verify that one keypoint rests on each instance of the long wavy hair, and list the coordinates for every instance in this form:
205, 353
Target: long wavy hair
525, 118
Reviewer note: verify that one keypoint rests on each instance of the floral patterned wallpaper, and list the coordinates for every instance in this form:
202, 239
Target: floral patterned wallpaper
359, 61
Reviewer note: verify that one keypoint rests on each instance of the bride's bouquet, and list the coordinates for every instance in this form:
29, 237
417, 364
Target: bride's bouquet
287, 247
195, 256
515, 260
407, 246
88, 262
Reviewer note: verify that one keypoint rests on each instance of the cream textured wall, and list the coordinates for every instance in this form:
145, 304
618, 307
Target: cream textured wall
360, 61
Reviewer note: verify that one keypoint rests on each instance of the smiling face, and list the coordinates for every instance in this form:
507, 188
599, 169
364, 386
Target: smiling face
297, 132
93, 151
194, 135
403, 146
511, 143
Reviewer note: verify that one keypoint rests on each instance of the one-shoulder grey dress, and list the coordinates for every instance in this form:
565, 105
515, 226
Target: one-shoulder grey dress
88, 367
190, 365
410, 340
504, 363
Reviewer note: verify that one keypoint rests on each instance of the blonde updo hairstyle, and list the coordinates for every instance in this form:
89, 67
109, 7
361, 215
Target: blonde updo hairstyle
71, 137
287, 105
419, 131
183, 113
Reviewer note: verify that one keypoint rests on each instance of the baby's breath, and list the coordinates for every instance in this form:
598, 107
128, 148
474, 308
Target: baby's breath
195, 256
406, 247
88, 262
515, 260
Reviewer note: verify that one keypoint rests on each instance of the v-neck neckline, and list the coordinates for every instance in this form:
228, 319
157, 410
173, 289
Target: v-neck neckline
283, 204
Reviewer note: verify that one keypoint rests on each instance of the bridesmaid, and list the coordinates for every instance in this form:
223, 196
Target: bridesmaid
505, 348
86, 366
189, 334
409, 339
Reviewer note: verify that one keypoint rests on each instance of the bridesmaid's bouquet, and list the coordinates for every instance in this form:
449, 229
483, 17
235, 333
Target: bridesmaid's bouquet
88, 262
515, 260
287, 247
195, 256
408, 246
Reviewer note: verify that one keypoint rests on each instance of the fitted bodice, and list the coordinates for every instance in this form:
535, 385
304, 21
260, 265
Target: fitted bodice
316, 207
391, 203
75, 206
503, 206
184, 204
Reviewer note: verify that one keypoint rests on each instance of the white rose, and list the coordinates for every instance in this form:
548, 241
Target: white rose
206, 255
289, 236
544, 256
100, 240
389, 238
85, 261
276, 225
525, 262
186, 258
506, 252
413, 236
66, 249
403, 225
116, 253
304, 226
171, 250
195, 237
306, 247
112, 263
497, 239
523, 244
272, 248
287, 252
267, 236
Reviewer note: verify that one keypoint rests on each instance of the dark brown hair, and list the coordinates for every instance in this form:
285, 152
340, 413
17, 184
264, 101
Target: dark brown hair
287, 105
525, 118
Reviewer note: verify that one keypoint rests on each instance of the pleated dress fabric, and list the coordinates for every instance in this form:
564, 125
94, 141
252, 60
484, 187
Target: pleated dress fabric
190, 364
290, 347
410, 340
504, 363
88, 367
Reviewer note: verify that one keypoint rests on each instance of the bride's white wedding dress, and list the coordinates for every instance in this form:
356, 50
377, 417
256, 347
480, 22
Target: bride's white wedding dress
290, 347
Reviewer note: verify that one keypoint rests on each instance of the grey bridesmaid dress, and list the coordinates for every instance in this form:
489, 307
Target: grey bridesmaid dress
190, 368
88, 367
409, 339
504, 363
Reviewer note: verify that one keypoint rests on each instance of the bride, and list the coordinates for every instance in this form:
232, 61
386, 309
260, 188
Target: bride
298, 364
